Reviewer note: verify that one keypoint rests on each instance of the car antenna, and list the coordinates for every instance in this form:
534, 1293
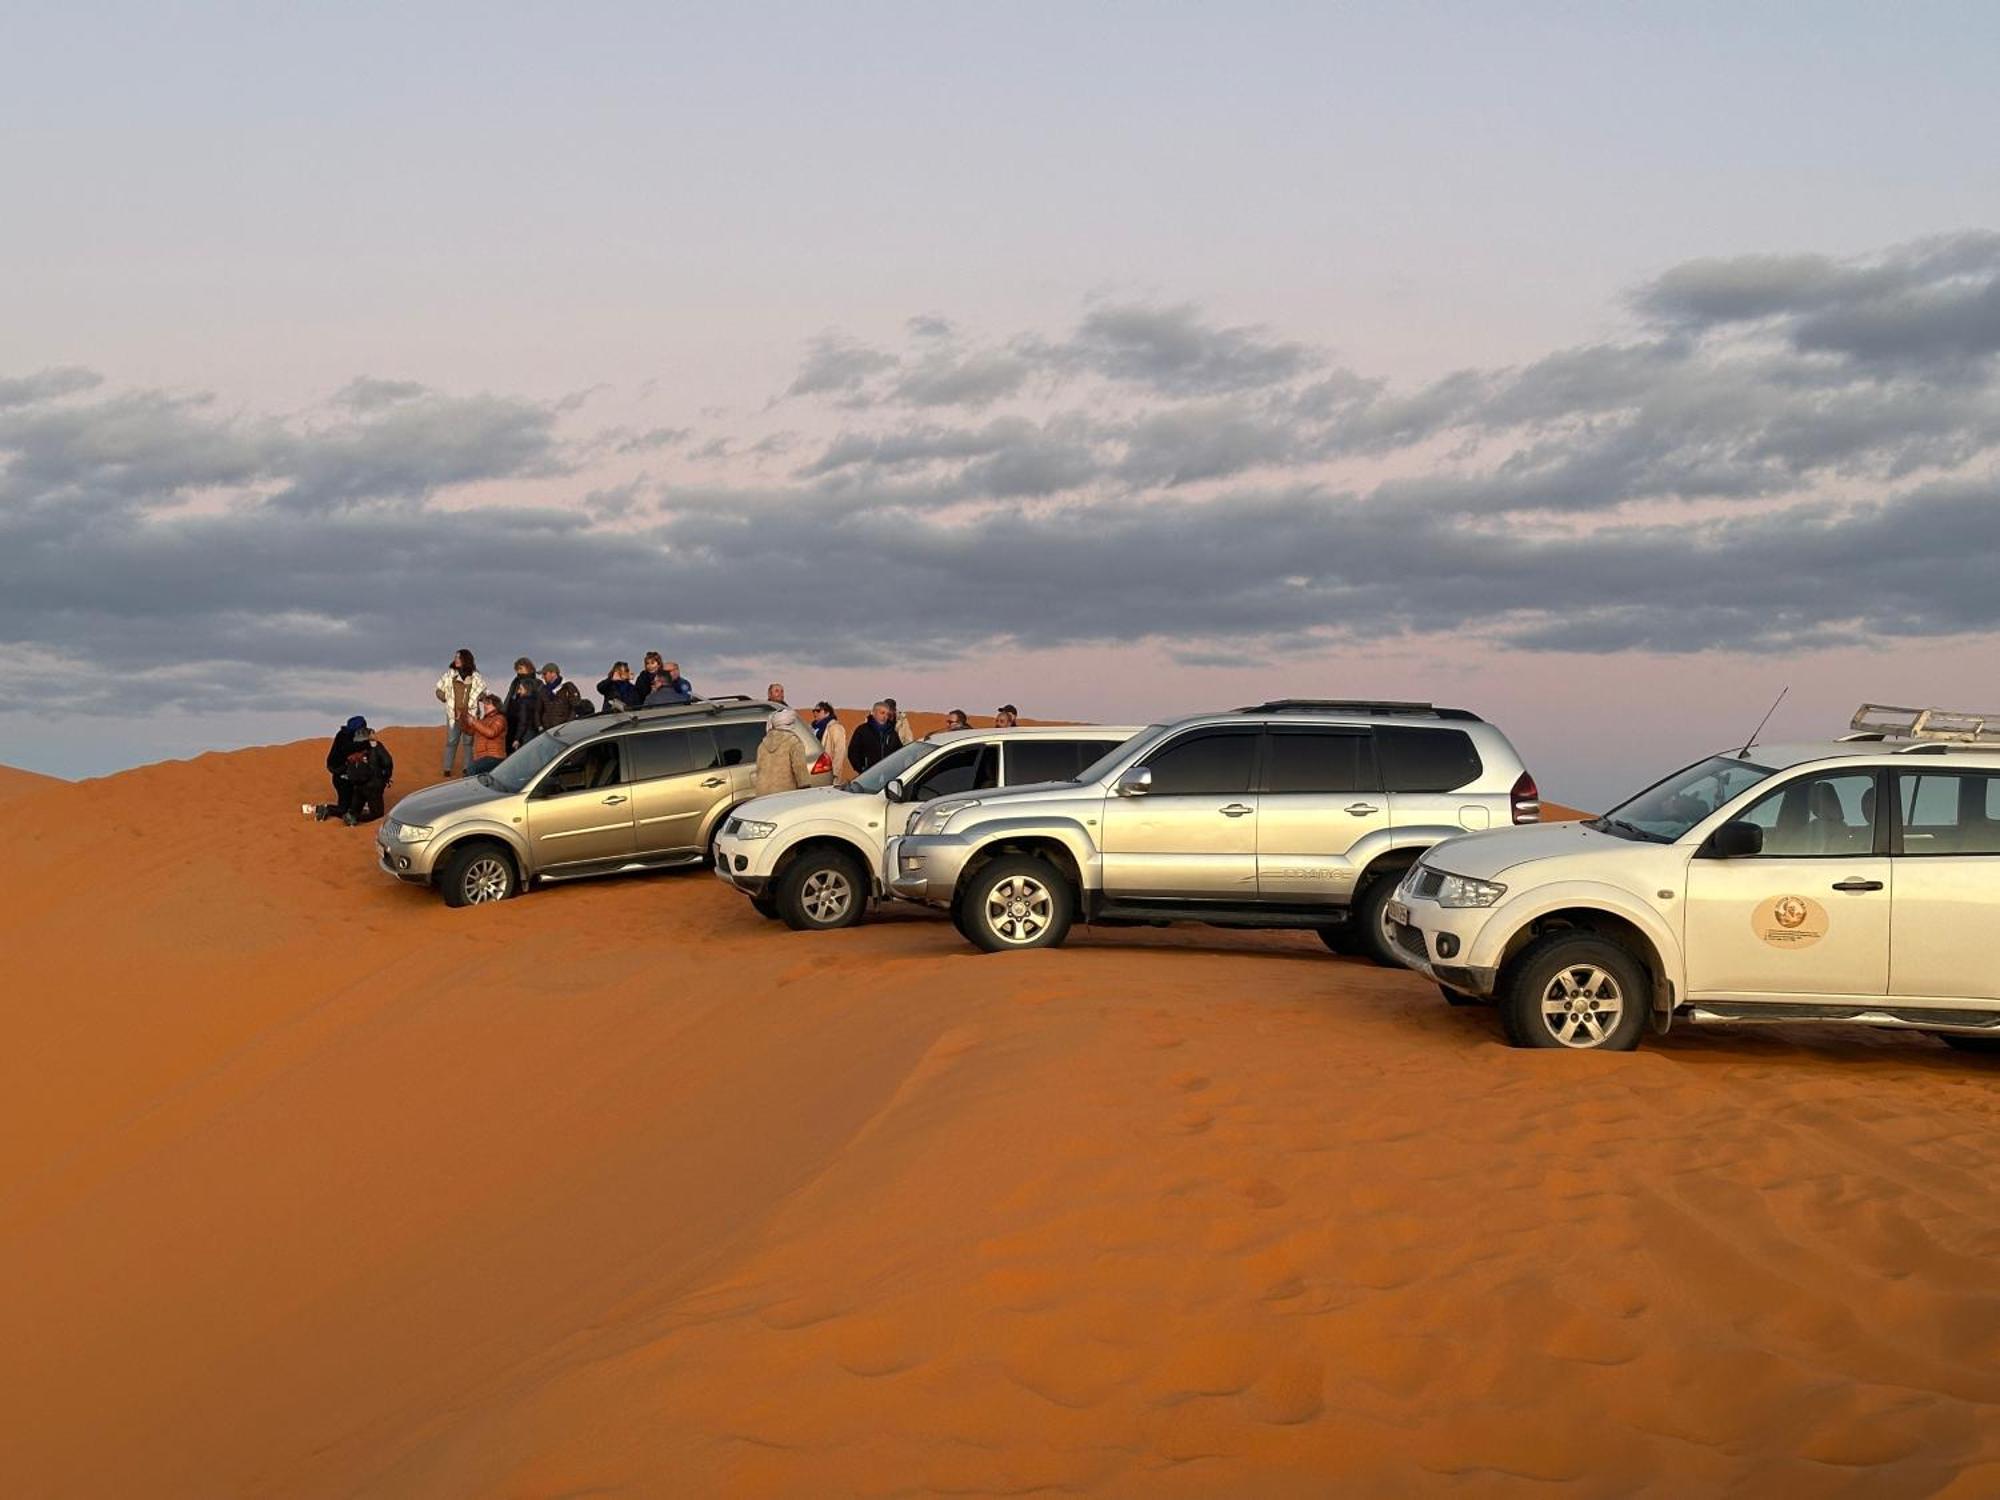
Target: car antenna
1744, 753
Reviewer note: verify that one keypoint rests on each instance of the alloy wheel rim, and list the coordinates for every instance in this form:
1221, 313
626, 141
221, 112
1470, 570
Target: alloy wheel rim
1019, 909
1582, 1005
485, 880
826, 895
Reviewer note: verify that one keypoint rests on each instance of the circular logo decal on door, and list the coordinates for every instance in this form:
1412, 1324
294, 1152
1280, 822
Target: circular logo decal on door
1789, 921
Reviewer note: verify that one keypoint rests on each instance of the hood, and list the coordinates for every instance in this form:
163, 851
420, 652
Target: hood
446, 797
785, 804
1482, 856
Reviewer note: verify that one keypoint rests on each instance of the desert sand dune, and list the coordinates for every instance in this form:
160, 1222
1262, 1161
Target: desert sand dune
15, 782
310, 1186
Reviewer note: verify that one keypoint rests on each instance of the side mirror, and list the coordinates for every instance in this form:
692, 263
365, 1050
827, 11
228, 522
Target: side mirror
1736, 840
895, 791
1135, 783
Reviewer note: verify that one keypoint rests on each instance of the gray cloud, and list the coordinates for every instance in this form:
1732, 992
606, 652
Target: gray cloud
1723, 478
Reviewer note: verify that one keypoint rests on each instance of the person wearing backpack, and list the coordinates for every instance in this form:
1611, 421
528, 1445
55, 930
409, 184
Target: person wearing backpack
370, 769
336, 772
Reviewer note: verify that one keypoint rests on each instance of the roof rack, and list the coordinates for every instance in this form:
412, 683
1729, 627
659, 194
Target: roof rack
1357, 706
698, 706
1882, 721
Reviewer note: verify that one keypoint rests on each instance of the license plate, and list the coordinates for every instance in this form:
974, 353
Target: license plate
1399, 913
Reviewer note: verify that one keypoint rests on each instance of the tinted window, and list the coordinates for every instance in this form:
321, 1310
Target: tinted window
1029, 761
670, 752
1818, 815
1207, 763
966, 769
594, 765
1425, 760
737, 743
1949, 813
1313, 760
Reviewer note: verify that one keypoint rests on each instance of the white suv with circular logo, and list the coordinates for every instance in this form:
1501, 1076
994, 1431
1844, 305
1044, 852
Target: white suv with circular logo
1853, 880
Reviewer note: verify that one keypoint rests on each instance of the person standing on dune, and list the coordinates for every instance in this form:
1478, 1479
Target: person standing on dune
905, 735
561, 702
956, 719
875, 740
1006, 716
618, 690
458, 690
832, 737
524, 705
782, 765
670, 687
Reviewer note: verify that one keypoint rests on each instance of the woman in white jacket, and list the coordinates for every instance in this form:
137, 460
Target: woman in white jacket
459, 690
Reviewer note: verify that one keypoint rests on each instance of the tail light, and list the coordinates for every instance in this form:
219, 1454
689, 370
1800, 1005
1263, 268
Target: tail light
1527, 800
824, 765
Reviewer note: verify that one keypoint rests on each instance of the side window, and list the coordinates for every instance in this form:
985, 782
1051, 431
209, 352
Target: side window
1827, 815
1318, 760
667, 752
954, 771
1425, 760
1949, 812
1209, 762
1029, 761
586, 768
737, 744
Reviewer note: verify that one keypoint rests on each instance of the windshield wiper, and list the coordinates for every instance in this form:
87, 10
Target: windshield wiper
1609, 823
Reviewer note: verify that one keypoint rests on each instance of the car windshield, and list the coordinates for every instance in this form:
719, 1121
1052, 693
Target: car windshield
1668, 809
879, 775
515, 772
1100, 768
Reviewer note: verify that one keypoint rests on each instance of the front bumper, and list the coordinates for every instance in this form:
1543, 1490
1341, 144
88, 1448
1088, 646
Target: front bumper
410, 862
1434, 940
739, 864
925, 867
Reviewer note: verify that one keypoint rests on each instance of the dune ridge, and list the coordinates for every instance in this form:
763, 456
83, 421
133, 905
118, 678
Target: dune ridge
309, 1186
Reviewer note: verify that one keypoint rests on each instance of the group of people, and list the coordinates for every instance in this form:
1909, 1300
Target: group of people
488, 727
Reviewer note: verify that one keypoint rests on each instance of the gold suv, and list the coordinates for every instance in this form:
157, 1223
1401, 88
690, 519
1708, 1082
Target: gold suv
616, 791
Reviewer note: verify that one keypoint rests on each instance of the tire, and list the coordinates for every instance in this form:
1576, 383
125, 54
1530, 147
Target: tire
1015, 902
477, 873
1986, 1045
821, 891
764, 906
1365, 919
1340, 938
1570, 990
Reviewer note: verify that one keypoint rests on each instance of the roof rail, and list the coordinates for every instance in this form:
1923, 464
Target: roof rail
1357, 706
1948, 725
698, 706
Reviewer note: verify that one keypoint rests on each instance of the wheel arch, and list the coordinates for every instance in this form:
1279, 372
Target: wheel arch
1600, 921
1040, 845
791, 853
481, 834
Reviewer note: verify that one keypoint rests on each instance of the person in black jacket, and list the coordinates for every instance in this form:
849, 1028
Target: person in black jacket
524, 706
336, 770
875, 740
370, 769
618, 690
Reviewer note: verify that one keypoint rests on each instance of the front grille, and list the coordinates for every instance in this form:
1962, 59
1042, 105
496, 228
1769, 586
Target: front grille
1410, 940
1429, 883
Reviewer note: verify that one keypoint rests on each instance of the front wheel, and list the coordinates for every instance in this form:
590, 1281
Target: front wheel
1015, 902
475, 874
764, 906
819, 892
1575, 991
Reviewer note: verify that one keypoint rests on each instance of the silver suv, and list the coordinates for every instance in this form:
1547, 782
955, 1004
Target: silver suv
640, 790
1297, 813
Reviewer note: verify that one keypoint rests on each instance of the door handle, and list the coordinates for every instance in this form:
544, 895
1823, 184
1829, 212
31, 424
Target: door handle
715, 781
614, 800
1361, 809
1857, 885
1235, 810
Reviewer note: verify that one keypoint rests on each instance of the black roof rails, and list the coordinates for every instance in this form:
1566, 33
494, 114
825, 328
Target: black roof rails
698, 706
1357, 706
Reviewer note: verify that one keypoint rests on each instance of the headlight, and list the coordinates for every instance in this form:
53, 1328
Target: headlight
746, 829
1461, 890
413, 833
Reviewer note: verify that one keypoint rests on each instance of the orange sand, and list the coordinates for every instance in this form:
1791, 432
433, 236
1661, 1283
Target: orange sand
17, 783
312, 1187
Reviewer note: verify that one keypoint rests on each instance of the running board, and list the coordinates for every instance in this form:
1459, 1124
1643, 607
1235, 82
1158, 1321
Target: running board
626, 867
1907, 1018
1147, 914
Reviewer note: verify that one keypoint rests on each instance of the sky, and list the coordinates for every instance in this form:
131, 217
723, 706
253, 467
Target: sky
1602, 369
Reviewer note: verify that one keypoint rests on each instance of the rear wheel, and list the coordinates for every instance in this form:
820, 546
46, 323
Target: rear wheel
820, 891
475, 874
1578, 992
1014, 902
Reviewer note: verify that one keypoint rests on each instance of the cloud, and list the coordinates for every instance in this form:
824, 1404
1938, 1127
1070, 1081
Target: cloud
1728, 475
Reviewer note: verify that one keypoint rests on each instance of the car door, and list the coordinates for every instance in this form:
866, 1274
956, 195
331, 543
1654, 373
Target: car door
1946, 903
1024, 762
1423, 769
675, 781
581, 810
1808, 917
961, 768
1319, 796
736, 755
1193, 834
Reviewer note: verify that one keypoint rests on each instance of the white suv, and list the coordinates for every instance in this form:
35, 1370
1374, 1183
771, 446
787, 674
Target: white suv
1851, 880
814, 857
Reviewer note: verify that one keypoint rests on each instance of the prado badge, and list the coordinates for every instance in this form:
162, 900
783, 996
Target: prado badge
1789, 921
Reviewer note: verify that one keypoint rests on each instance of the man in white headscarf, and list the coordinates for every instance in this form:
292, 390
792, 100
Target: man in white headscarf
782, 764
